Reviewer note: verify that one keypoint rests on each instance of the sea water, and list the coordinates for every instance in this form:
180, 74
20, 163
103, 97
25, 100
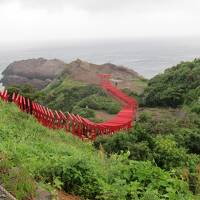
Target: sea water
148, 57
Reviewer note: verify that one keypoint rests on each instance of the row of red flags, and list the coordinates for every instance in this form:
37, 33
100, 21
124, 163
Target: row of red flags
79, 126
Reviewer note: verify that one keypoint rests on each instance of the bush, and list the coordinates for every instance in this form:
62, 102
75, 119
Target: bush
137, 180
167, 155
98, 102
26, 90
137, 142
193, 141
84, 112
175, 86
66, 95
196, 108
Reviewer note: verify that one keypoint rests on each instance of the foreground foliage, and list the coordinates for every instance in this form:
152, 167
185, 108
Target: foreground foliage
62, 160
169, 142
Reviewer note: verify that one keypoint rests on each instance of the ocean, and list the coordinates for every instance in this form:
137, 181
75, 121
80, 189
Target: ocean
148, 57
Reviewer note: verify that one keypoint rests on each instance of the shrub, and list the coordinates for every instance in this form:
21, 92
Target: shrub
26, 90
137, 180
137, 142
84, 112
196, 108
167, 155
98, 102
175, 86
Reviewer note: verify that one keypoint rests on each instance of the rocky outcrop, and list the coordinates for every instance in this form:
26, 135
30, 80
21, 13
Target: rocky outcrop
5, 195
40, 72
37, 72
87, 73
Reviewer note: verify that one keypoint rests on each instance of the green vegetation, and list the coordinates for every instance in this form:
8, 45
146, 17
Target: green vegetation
64, 161
16, 179
168, 141
158, 159
87, 106
27, 90
139, 85
79, 99
71, 96
176, 86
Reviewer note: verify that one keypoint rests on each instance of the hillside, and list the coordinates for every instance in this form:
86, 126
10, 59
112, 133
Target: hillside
74, 96
158, 159
176, 86
73, 88
77, 90
86, 72
32, 155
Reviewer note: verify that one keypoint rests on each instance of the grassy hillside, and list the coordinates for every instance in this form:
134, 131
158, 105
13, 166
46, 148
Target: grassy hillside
77, 90
176, 86
32, 154
158, 159
71, 96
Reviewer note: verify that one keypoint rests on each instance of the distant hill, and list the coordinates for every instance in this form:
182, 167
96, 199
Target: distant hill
37, 72
40, 72
87, 73
72, 87
176, 86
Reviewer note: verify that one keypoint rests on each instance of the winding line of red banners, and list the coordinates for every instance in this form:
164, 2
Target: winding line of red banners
79, 126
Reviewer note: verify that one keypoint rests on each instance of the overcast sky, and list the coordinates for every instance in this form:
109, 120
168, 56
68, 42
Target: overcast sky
53, 20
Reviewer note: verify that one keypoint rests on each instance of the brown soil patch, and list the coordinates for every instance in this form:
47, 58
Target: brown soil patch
63, 196
158, 113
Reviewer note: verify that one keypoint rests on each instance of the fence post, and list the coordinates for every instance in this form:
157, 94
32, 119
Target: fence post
58, 120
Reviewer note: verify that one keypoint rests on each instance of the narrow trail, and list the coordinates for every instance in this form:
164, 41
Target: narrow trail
79, 126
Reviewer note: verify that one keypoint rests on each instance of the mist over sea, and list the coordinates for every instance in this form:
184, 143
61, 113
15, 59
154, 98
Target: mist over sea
148, 57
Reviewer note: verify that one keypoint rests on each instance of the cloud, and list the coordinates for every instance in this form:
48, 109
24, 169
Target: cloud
33, 20
106, 5
87, 5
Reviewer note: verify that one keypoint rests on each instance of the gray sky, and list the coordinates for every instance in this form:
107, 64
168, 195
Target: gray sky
53, 20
